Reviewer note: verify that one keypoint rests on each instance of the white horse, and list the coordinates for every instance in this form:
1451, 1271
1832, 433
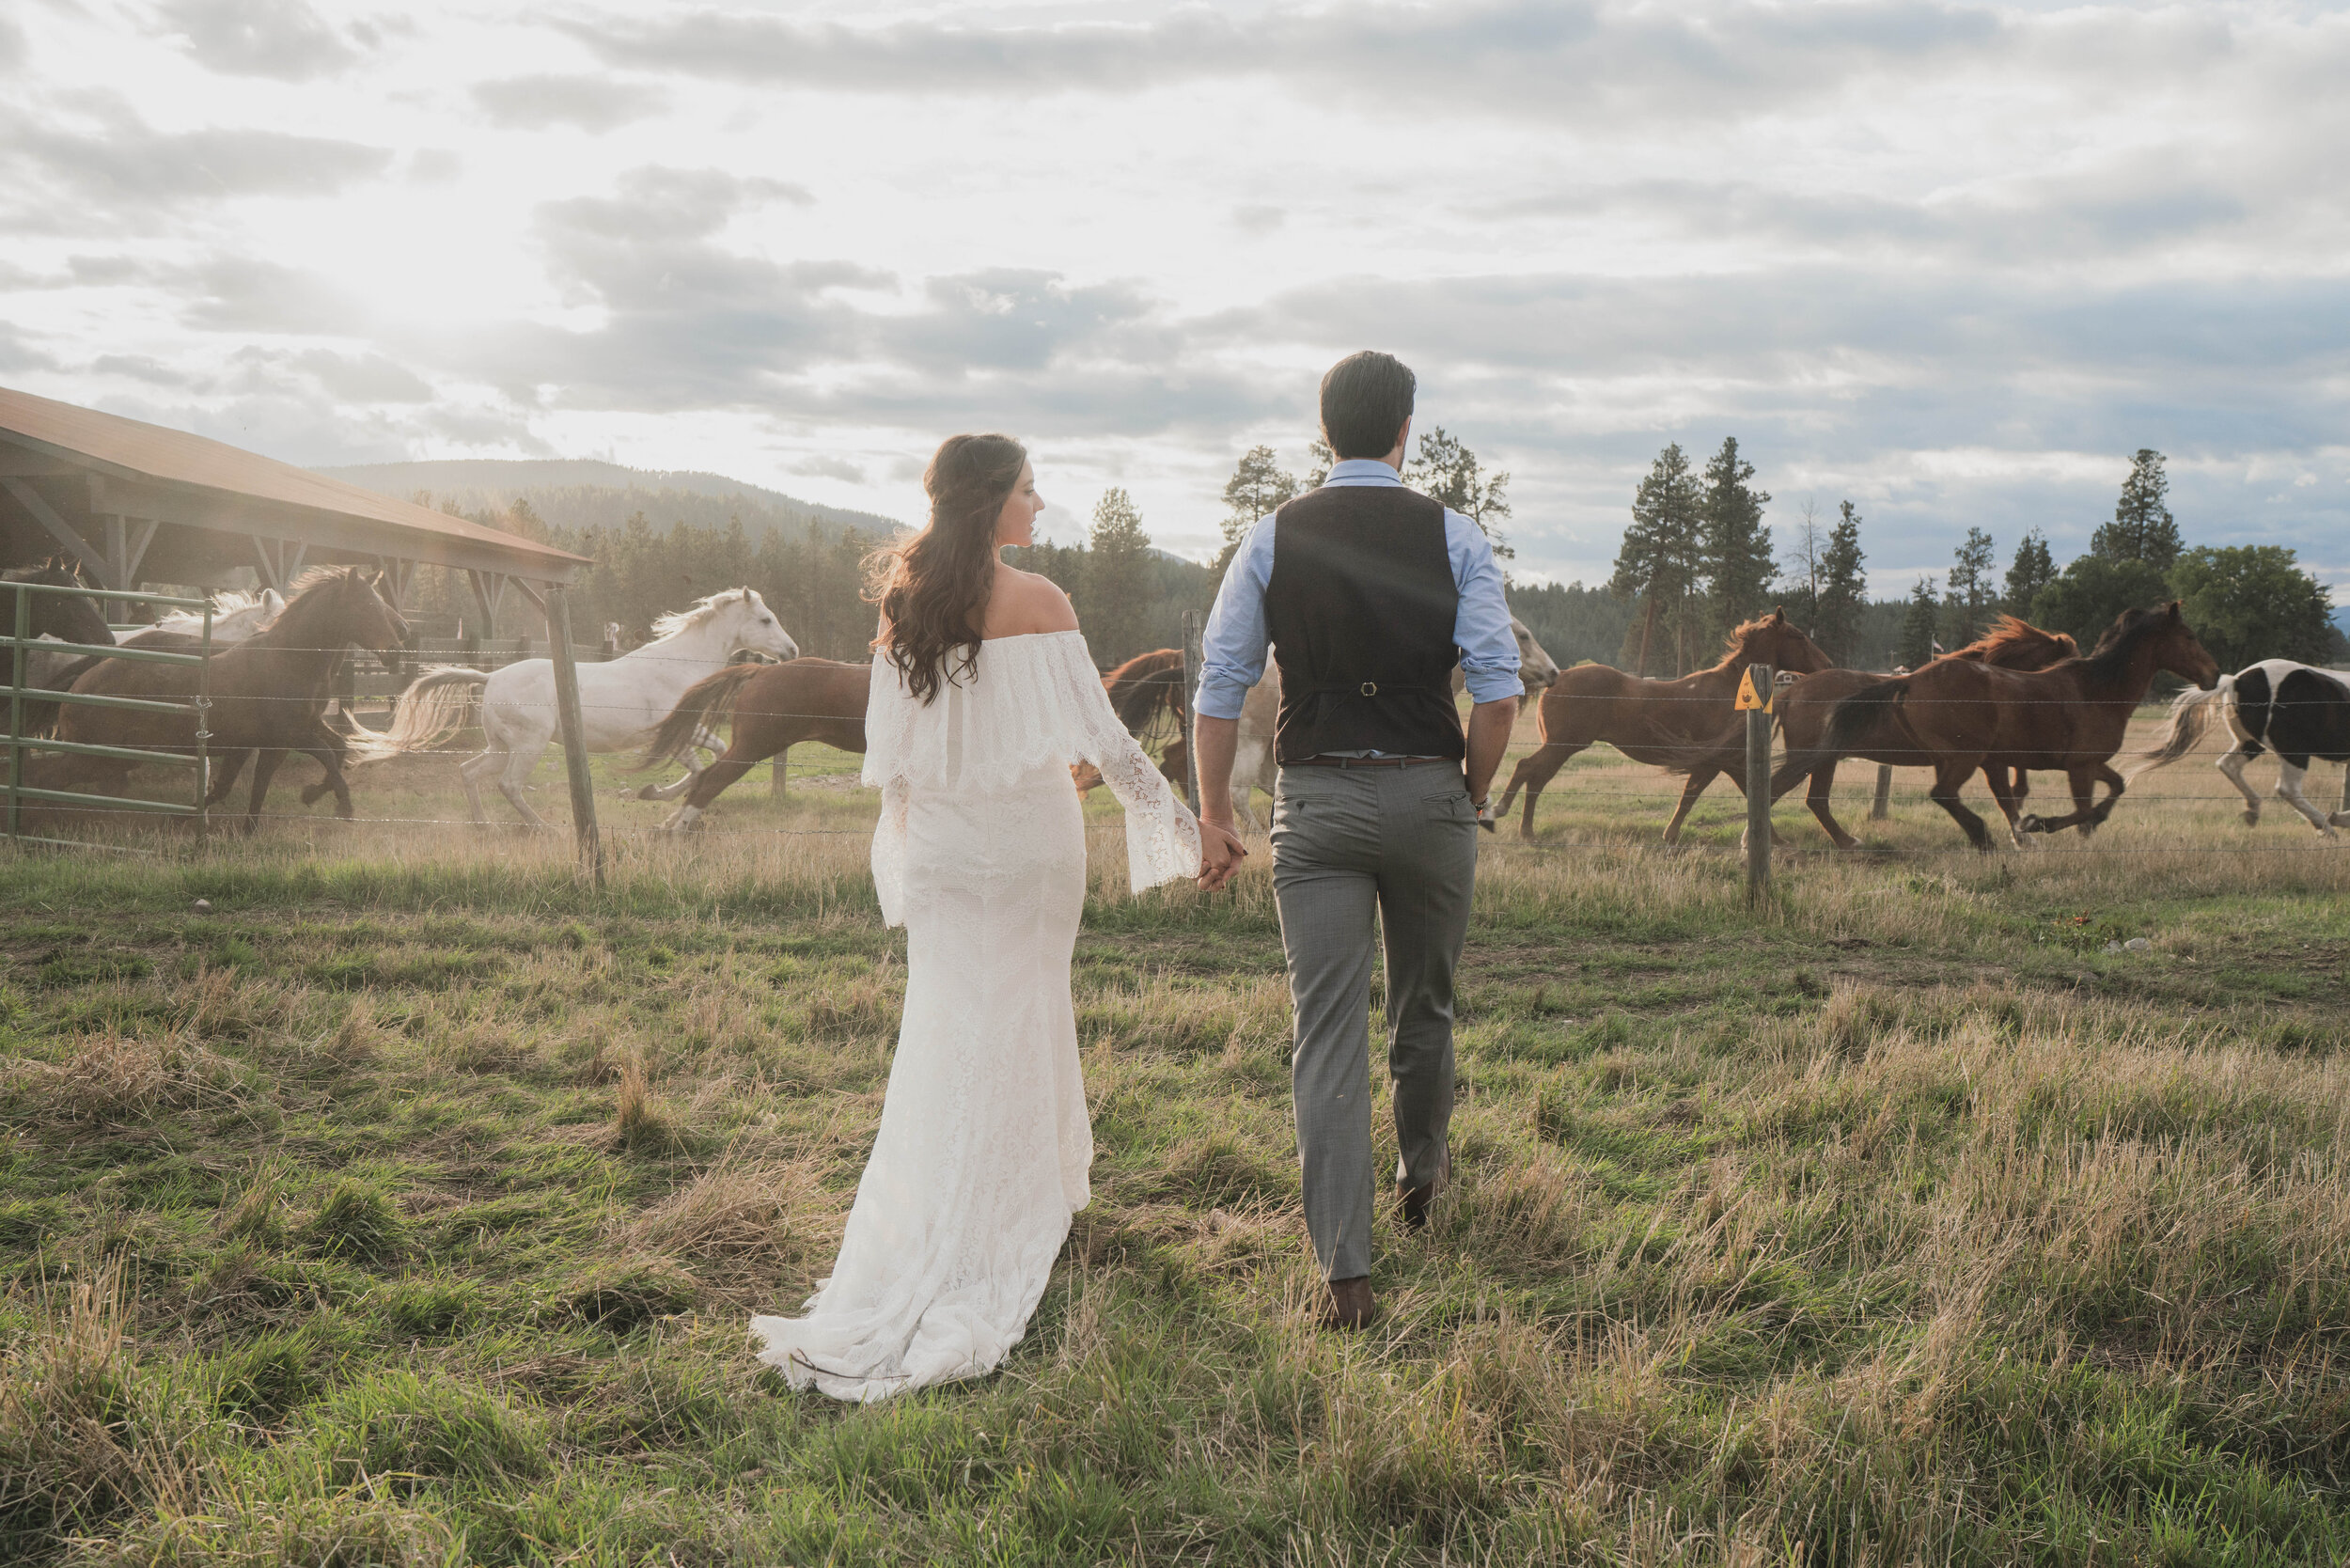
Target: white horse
235, 616
1252, 757
620, 701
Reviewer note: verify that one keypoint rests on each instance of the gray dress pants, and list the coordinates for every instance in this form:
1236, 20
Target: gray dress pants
1399, 842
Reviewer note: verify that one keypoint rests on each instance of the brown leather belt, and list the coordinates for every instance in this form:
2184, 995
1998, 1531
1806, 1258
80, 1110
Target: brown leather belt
1367, 762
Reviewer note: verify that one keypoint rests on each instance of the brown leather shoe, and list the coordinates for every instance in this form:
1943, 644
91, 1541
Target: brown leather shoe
1351, 1304
1419, 1200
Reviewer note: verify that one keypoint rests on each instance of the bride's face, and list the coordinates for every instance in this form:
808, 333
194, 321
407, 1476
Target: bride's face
1016, 523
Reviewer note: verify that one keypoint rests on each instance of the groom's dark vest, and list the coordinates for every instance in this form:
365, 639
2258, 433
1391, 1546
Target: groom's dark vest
1359, 609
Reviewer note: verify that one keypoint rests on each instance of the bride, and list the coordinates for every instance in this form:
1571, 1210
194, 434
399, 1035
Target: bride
982, 696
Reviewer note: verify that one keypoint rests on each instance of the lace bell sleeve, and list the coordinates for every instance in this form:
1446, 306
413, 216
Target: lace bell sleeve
884, 757
1162, 834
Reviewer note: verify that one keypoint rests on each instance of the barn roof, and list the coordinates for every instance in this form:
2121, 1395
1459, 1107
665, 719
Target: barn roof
100, 484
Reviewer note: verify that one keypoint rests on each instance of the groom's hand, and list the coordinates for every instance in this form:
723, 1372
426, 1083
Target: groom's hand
1220, 855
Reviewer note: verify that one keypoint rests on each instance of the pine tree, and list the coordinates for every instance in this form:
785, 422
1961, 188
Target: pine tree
2142, 528
1319, 453
1971, 596
1660, 560
1737, 545
1117, 577
1259, 485
1844, 587
2032, 570
1918, 627
1446, 470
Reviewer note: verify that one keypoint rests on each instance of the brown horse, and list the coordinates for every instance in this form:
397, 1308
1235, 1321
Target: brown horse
1802, 711
1673, 723
1957, 716
67, 617
775, 707
267, 693
1142, 689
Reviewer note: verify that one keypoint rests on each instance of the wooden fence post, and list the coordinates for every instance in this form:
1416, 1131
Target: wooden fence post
575, 732
1755, 701
1882, 806
1192, 660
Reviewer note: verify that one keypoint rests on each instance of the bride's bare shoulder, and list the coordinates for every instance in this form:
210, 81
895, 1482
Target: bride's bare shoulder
1022, 604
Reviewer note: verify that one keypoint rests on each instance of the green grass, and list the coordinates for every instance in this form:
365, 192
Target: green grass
408, 1206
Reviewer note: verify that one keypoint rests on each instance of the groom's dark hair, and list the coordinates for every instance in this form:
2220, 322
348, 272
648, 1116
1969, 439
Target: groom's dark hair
1365, 398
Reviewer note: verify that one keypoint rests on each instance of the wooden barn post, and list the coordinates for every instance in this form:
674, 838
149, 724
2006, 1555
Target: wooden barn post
1882, 806
575, 732
1755, 697
1192, 661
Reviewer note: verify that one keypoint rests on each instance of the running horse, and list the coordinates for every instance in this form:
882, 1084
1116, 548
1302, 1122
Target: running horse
773, 707
2295, 710
1802, 708
1670, 723
267, 694
1957, 716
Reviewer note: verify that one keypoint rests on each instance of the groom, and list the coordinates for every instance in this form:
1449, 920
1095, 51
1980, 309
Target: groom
1368, 592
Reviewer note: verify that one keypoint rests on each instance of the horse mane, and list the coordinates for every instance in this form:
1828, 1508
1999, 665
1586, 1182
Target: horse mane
1734, 645
2011, 631
2113, 648
317, 576
1140, 685
696, 614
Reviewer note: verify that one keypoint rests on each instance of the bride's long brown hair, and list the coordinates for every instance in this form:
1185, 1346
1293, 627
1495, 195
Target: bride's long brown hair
932, 587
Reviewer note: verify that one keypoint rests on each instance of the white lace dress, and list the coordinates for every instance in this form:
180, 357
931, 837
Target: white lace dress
984, 1143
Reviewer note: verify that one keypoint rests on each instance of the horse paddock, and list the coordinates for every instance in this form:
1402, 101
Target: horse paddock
406, 1202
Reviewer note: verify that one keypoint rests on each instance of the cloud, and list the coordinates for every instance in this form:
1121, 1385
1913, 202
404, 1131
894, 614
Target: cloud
125, 169
594, 104
284, 39
17, 353
240, 293
1542, 58
139, 366
362, 378
828, 468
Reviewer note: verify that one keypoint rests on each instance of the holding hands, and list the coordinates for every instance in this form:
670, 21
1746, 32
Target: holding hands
1220, 855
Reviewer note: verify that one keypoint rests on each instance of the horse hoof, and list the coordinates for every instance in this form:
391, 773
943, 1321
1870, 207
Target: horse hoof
2251, 815
2029, 823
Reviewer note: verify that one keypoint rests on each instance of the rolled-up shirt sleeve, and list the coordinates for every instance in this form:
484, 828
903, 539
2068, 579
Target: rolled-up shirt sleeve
1481, 625
1232, 649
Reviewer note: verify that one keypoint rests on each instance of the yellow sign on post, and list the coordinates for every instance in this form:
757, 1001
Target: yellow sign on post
1751, 701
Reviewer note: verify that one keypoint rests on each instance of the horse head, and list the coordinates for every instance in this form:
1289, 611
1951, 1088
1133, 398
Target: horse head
2181, 652
69, 617
337, 606
1775, 640
751, 626
1537, 670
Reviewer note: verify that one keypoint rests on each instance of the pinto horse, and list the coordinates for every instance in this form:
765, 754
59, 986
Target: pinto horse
773, 707
267, 693
1671, 723
1803, 707
2295, 710
1957, 716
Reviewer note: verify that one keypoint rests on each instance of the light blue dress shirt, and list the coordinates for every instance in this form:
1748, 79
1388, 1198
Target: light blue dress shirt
1232, 649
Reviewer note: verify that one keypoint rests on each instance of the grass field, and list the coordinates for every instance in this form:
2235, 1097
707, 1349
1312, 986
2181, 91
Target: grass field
407, 1206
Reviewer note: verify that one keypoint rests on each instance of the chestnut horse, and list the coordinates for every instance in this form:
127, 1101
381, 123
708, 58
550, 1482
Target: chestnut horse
267, 693
1673, 723
1957, 716
1802, 711
773, 707
1141, 690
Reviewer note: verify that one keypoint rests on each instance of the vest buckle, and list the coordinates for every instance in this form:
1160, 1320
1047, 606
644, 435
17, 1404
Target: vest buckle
1371, 688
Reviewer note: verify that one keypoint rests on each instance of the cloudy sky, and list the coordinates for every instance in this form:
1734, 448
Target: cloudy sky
1951, 262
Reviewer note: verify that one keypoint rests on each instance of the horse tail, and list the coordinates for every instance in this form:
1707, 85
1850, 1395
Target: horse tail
433, 707
1854, 721
2190, 716
708, 701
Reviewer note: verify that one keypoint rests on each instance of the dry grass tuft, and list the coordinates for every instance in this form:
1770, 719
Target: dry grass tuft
637, 1123
118, 1077
79, 1435
744, 1215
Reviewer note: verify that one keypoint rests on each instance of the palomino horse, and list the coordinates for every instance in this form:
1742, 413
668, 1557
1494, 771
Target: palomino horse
1802, 709
1956, 715
2298, 710
773, 707
1671, 723
266, 692
622, 701
1253, 765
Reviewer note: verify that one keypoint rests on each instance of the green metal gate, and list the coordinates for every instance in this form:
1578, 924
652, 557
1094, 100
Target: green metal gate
21, 638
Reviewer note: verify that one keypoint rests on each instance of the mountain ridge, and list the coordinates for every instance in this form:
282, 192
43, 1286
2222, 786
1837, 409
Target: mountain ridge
498, 482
